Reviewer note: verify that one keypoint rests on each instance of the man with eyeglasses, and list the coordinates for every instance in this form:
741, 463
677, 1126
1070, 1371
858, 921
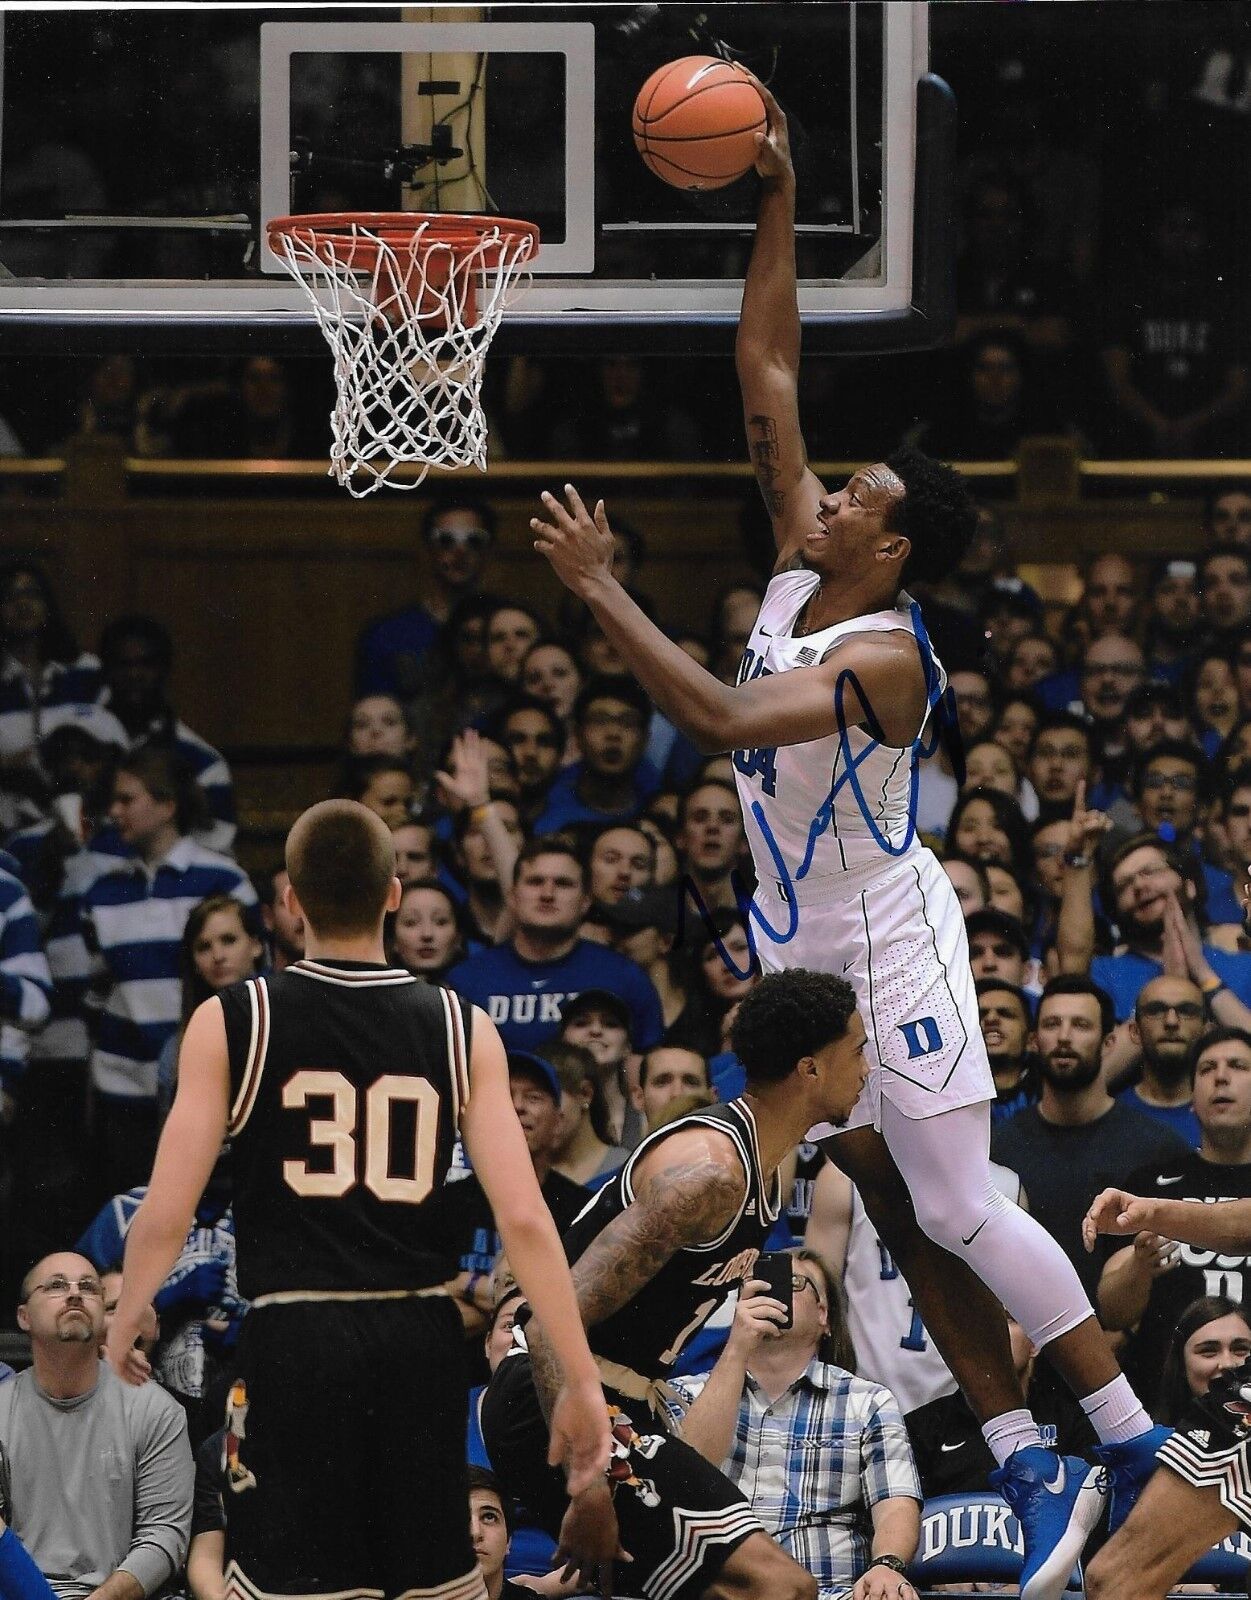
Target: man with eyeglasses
1171, 787
457, 533
1148, 1282
96, 1475
614, 780
1169, 1015
1149, 888
850, 1509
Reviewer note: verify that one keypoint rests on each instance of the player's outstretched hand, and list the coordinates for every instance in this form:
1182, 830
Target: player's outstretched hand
773, 146
589, 1542
1118, 1212
581, 1435
126, 1359
578, 545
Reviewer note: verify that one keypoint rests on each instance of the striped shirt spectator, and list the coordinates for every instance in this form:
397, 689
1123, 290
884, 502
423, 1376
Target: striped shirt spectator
132, 917
132, 920
137, 655
33, 702
25, 981
41, 667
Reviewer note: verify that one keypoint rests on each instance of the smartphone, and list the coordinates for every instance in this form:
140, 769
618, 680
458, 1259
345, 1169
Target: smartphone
777, 1268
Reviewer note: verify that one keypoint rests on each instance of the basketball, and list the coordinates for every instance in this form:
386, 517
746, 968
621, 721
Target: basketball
696, 121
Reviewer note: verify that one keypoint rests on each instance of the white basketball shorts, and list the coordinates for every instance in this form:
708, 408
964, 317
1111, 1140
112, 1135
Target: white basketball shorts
896, 933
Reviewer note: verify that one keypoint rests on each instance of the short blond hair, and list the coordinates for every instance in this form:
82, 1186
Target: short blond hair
341, 860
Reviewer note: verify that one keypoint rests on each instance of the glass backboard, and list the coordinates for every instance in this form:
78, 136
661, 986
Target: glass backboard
143, 150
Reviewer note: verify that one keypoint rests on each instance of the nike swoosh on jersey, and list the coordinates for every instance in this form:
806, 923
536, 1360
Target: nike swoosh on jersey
1164, 1182
946, 1449
1061, 1478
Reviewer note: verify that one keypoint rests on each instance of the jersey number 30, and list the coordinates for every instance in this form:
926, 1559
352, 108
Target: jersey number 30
372, 1164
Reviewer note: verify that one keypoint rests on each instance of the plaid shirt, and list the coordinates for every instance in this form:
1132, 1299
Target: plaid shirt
814, 1462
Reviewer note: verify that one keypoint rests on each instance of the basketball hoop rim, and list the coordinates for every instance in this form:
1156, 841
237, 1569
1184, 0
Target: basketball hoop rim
462, 233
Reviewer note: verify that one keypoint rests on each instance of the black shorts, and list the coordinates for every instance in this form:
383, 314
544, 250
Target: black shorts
679, 1517
1211, 1447
345, 1453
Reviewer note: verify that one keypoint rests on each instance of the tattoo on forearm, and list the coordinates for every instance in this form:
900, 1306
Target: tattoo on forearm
762, 441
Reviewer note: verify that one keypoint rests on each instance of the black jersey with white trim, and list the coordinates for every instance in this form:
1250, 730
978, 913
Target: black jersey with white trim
648, 1333
347, 1081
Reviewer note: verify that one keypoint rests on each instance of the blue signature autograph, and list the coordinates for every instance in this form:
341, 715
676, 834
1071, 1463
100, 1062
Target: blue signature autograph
945, 720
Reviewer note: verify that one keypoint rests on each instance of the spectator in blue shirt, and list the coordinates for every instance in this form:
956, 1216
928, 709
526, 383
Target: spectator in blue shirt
613, 781
1171, 786
1137, 884
457, 534
523, 984
137, 656
131, 924
1169, 1015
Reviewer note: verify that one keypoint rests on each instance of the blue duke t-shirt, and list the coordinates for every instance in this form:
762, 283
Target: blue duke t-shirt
1124, 975
524, 998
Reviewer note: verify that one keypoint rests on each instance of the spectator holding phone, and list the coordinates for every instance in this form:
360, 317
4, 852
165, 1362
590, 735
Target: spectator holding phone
848, 1507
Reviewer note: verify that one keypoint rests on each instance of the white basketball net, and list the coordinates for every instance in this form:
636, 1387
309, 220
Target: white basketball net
409, 322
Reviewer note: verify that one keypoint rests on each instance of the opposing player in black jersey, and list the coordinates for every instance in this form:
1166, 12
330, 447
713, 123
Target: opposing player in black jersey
1201, 1492
342, 1083
654, 1254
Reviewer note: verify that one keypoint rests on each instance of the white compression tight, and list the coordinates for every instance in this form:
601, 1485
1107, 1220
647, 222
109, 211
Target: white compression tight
945, 1161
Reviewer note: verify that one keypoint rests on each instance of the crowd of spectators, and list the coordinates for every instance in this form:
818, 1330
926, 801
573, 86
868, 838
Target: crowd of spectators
575, 867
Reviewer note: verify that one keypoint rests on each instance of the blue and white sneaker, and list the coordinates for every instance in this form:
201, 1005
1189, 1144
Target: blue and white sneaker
1129, 1466
1057, 1500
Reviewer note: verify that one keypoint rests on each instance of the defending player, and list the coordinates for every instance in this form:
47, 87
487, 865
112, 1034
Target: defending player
342, 1083
1202, 1492
654, 1254
835, 689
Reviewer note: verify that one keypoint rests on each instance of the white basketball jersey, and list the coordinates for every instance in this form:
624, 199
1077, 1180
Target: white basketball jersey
892, 1344
792, 784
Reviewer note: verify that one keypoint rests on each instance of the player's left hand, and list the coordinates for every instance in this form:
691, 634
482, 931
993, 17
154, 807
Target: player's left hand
883, 1583
123, 1355
589, 1539
578, 545
1118, 1212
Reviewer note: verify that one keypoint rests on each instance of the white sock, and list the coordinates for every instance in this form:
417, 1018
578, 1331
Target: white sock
1116, 1413
1011, 1430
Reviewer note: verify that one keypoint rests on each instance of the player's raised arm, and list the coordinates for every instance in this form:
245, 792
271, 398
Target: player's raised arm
880, 684
767, 348
190, 1144
497, 1148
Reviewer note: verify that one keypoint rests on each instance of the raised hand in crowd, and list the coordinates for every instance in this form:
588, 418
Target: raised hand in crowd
468, 784
1183, 954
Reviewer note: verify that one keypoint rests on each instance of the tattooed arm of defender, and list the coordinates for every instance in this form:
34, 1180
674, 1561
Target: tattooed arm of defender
687, 1190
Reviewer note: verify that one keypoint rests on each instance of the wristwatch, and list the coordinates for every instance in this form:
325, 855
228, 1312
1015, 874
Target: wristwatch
1075, 858
895, 1563
1212, 986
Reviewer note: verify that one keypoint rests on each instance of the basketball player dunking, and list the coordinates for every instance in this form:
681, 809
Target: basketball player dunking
834, 690
342, 1083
